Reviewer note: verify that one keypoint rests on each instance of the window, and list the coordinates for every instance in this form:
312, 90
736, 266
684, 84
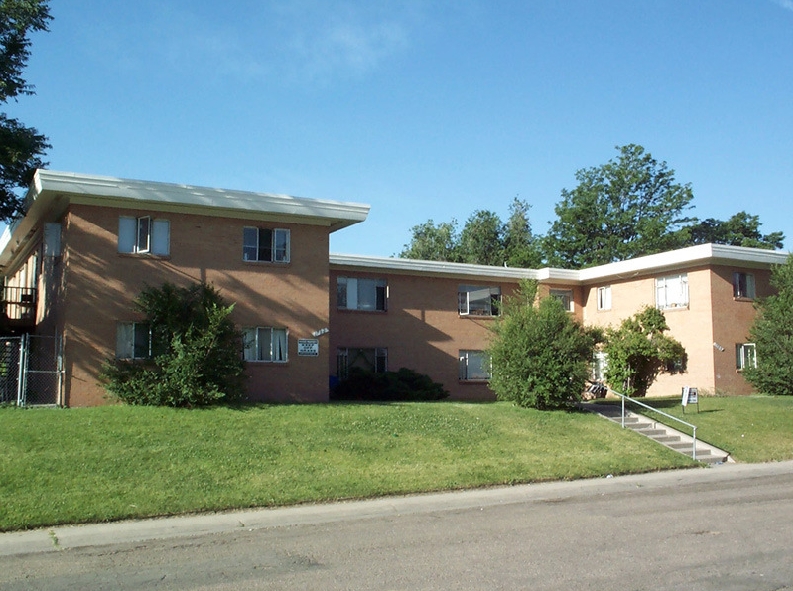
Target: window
743, 285
671, 292
368, 359
265, 344
133, 340
565, 296
604, 298
361, 294
144, 235
265, 245
474, 365
600, 363
745, 356
478, 301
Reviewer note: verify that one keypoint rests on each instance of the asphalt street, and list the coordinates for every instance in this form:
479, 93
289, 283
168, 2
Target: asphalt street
724, 528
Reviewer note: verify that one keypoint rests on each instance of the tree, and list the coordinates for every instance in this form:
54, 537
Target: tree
620, 210
429, 242
741, 229
639, 350
484, 240
195, 351
539, 354
772, 334
481, 241
21, 147
521, 249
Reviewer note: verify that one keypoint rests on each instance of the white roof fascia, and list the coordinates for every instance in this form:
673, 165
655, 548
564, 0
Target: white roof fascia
51, 193
712, 254
701, 254
432, 268
127, 193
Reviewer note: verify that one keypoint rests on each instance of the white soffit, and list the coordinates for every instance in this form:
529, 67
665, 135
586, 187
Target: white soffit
117, 192
436, 268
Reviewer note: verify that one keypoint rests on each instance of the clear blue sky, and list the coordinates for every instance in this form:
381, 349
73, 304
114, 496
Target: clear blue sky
424, 110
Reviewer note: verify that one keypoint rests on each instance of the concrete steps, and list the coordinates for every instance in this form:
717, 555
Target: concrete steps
660, 433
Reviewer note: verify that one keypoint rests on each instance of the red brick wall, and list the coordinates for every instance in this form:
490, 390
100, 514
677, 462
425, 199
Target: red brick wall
101, 285
421, 329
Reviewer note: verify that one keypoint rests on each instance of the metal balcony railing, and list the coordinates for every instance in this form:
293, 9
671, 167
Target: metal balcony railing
19, 303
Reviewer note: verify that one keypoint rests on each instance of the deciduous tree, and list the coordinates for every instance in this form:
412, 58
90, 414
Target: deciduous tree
772, 334
625, 208
741, 229
21, 147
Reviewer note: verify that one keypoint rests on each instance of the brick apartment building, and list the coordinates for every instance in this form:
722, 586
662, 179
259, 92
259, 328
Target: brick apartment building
87, 245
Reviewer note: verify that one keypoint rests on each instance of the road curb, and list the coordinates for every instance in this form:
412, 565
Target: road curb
62, 538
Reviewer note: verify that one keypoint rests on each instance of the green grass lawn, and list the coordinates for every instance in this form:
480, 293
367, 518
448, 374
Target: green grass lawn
114, 462
751, 428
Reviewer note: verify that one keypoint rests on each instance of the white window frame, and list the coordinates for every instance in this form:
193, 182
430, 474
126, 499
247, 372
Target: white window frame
671, 292
745, 356
743, 286
479, 300
474, 366
344, 355
566, 297
127, 337
255, 245
362, 293
144, 235
600, 364
265, 344
604, 297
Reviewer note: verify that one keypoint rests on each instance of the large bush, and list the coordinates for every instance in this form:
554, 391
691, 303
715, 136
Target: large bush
638, 350
772, 334
196, 351
402, 385
539, 354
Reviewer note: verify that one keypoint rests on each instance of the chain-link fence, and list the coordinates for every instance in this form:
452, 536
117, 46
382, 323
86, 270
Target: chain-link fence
31, 370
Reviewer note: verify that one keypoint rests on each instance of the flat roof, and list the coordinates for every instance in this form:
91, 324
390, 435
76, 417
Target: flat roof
51, 193
712, 254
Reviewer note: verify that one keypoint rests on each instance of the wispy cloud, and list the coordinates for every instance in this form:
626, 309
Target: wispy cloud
325, 40
787, 4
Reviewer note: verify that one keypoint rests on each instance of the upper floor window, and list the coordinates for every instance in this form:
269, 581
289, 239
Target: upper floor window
745, 356
743, 285
478, 301
671, 291
565, 296
474, 365
144, 235
355, 293
265, 245
604, 298
265, 344
133, 340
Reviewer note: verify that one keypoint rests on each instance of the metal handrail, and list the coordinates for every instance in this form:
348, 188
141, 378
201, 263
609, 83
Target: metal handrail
624, 397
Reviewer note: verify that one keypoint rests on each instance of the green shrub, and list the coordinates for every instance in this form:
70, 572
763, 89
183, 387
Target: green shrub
539, 354
197, 359
639, 350
404, 385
